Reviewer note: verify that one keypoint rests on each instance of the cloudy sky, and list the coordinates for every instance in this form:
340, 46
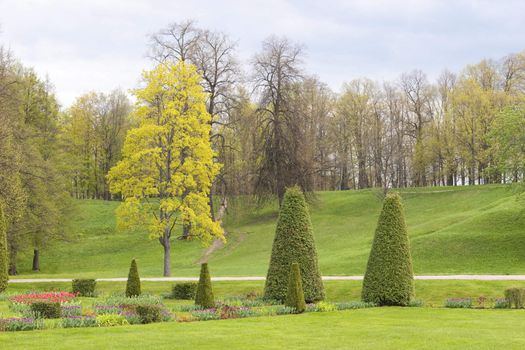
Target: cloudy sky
102, 44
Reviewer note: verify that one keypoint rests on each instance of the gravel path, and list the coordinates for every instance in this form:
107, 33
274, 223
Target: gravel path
325, 278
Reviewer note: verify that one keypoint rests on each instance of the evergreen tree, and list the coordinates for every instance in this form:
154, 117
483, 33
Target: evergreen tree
133, 285
294, 242
295, 294
204, 295
389, 277
3, 251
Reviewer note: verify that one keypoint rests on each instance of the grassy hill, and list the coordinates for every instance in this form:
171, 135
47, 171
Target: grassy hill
453, 230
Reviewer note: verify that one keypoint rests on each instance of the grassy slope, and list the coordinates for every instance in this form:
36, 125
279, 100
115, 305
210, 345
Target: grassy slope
380, 328
452, 230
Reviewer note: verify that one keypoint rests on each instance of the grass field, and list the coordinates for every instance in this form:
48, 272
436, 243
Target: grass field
453, 230
377, 328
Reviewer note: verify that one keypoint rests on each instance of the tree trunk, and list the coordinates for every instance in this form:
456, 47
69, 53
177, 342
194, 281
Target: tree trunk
36, 260
166, 244
186, 228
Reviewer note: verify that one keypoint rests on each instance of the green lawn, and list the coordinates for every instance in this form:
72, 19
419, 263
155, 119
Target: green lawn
378, 328
453, 230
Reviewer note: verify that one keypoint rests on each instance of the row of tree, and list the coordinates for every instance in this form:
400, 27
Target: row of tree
272, 127
277, 126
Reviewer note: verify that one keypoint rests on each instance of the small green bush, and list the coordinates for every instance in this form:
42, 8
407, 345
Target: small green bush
501, 303
325, 306
15, 324
149, 313
459, 303
84, 287
110, 320
46, 309
183, 291
515, 297
389, 276
78, 321
354, 305
204, 295
133, 284
295, 294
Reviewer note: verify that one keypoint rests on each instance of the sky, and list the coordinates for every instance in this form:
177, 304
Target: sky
100, 45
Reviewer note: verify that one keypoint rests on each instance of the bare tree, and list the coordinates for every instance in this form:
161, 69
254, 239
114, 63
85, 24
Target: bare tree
276, 71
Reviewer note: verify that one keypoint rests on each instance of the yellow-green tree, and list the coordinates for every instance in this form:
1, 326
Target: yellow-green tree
167, 168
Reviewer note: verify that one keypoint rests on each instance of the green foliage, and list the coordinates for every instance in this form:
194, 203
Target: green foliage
3, 250
204, 295
133, 285
149, 313
459, 303
389, 277
46, 309
84, 287
295, 295
294, 242
111, 320
183, 291
78, 321
515, 297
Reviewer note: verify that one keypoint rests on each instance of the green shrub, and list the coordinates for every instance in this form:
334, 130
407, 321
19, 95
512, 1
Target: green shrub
110, 320
133, 284
354, 305
459, 303
294, 242
183, 291
15, 324
295, 295
46, 309
149, 313
515, 297
3, 251
205, 315
389, 278
84, 287
501, 303
204, 295
324, 306
78, 321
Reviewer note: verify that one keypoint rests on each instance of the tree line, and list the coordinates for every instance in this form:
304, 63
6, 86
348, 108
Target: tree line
273, 125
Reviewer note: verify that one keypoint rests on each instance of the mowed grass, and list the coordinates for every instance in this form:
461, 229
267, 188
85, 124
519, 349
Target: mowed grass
452, 230
377, 328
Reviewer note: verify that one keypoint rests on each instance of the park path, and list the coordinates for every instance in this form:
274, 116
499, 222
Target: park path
255, 278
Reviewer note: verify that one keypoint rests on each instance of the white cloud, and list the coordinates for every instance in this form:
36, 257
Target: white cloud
101, 44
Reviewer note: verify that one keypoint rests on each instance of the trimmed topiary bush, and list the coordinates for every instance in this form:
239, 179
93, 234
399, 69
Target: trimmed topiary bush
183, 291
294, 242
515, 297
204, 295
46, 309
295, 294
389, 278
133, 285
84, 287
3, 251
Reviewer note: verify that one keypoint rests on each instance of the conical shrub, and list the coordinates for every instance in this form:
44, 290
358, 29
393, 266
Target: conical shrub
204, 295
294, 242
133, 285
295, 294
389, 278
3, 251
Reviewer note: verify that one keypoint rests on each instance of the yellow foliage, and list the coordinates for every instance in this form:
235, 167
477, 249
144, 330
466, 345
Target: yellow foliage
167, 169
